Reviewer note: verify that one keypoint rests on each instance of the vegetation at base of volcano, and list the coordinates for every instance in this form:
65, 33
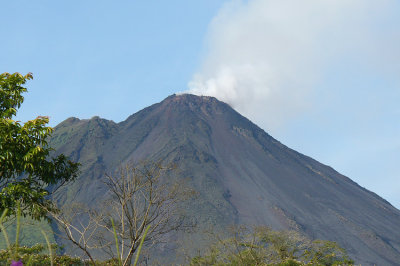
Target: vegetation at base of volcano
248, 247
263, 246
37, 254
30, 232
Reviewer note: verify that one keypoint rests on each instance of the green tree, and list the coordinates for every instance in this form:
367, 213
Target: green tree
263, 246
27, 170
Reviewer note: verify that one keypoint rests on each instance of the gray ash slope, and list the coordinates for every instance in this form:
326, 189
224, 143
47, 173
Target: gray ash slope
243, 175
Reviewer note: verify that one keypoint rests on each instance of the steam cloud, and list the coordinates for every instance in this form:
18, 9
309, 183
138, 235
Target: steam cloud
266, 57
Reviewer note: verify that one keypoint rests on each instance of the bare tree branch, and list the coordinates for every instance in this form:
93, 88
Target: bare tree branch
139, 196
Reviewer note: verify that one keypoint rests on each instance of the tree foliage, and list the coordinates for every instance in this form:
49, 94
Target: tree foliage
263, 246
26, 167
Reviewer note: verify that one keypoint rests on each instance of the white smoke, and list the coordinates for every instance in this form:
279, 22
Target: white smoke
266, 57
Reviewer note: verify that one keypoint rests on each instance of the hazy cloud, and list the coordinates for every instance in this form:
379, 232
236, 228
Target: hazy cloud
266, 57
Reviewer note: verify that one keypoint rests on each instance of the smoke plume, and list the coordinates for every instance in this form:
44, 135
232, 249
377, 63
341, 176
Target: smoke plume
267, 57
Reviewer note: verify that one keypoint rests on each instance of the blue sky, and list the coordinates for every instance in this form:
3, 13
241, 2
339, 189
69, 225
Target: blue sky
100, 58
320, 76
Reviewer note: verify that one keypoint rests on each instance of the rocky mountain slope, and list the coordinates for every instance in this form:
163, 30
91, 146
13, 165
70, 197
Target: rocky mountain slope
242, 174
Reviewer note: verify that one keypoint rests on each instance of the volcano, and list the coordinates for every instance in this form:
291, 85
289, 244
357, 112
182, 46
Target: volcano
242, 174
